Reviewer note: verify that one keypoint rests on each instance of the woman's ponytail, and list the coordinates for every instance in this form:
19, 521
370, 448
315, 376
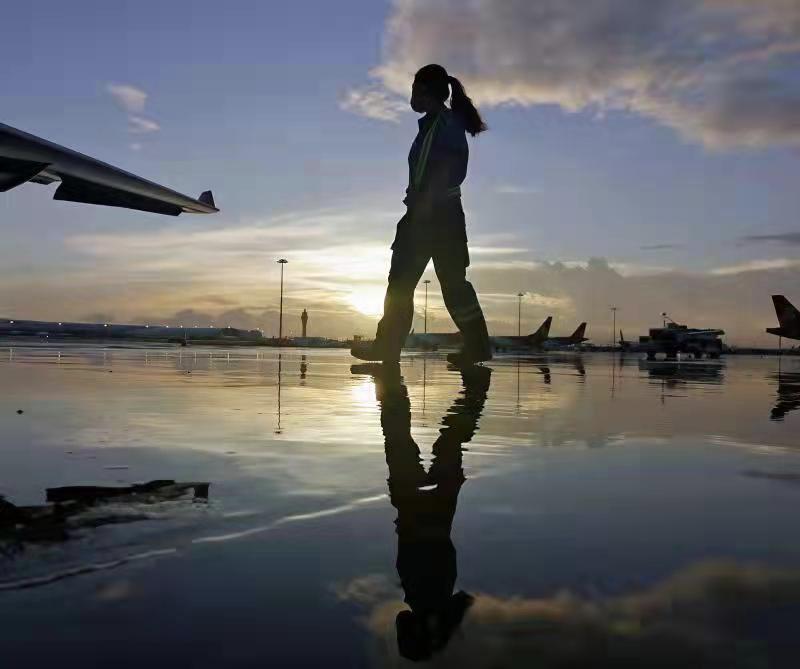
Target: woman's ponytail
464, 107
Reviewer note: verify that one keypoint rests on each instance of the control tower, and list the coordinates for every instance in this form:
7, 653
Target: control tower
304, 321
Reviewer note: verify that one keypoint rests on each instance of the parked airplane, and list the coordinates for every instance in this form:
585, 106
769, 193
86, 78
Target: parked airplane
788, 318
536, 340
27, 158
574, 340
433, 340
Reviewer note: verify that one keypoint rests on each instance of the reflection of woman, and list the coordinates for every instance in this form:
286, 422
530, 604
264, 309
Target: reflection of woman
426, 556
433, 226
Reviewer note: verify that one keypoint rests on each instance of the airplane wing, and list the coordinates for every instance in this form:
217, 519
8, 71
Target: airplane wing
25, 157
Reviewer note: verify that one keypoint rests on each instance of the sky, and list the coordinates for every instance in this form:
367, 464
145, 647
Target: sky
640, 155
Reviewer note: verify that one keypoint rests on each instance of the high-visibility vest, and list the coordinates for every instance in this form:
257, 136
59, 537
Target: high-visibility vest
424, 154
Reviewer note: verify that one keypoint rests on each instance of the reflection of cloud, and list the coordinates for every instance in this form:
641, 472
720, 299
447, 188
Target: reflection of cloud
366, 590
718, 71
703, 616
786, 477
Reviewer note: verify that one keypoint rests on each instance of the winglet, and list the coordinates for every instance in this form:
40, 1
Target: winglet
207, 197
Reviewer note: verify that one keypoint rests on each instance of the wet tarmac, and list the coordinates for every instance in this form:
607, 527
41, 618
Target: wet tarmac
255, 507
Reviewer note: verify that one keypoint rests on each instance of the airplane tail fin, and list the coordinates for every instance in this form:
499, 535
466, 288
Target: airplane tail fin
544, 330
622, 341
579, 333
207, 197
788, 315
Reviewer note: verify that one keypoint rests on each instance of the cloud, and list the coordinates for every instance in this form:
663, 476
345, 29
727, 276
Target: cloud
660, 247
337, 266
638, 269
515, 189
477, 250
735, 299
135, 146
791, 238
701, 616
130, 98
373, 103
720, 72
547, 301
97, 317
133, 100
139, 125
756, 266
216, 300
331, 262
239, 318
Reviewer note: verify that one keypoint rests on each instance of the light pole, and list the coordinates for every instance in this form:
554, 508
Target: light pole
519, 313
614, 326
281, 262
426, 282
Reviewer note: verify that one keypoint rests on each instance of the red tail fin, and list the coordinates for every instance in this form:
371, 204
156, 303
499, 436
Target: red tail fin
579, 333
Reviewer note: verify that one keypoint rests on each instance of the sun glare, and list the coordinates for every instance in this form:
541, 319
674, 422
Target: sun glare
368, 300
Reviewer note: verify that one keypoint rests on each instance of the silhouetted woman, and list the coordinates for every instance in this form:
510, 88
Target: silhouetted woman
433, 226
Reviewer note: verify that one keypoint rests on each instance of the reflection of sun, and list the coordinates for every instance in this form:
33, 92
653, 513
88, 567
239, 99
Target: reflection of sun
368, 300
363, 394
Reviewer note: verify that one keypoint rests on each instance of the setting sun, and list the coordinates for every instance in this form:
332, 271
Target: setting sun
368, 300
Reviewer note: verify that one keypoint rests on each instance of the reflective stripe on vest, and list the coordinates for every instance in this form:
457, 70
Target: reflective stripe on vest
422, 161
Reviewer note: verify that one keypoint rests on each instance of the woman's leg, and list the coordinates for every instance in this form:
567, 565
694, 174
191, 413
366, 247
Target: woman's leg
410, 256
408, 264
451, 259
462, 303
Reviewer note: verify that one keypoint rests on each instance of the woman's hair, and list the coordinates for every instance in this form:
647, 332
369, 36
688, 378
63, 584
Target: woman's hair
438, 82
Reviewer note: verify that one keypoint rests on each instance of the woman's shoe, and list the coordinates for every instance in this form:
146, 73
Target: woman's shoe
372, 352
